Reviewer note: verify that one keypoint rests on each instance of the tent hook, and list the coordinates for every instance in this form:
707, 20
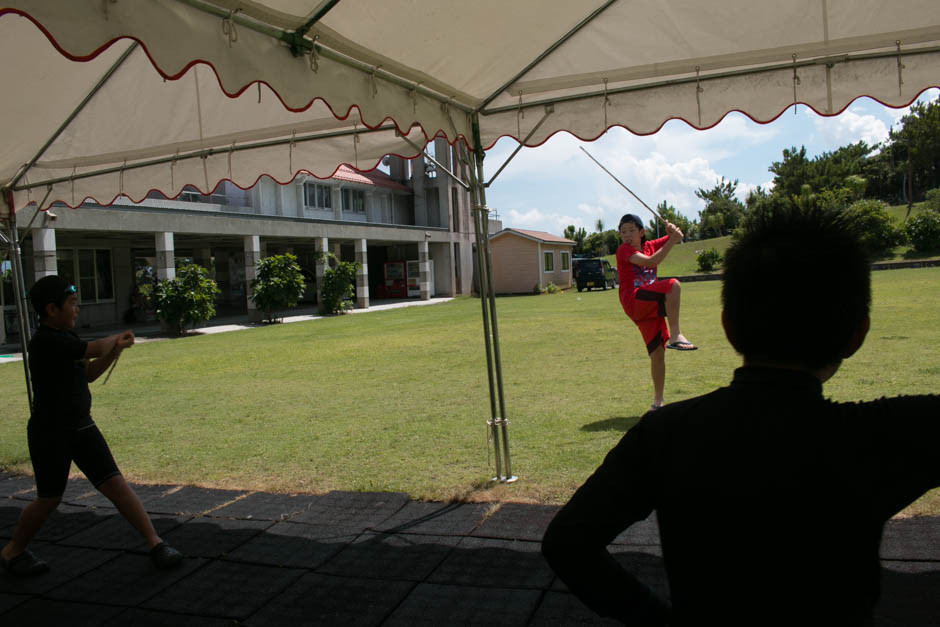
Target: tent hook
314, 57
228, 26
72, 184
121, 178
796, 81
375, 87
356, 143
901, 67
520, 115
698, 95
290, 152
173, 165
230, 151
606, 104
414, 99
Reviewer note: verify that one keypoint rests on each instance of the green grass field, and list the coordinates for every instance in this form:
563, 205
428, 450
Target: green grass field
397, 399
682, 258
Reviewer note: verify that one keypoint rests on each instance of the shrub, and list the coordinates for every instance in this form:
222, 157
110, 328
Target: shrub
878, 231
338, 286
280, 284
923, 231
551, 288
708, 260
932, 199
185, 300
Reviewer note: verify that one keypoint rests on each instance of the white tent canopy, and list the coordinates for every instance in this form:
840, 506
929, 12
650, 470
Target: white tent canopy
110, 97
526, 68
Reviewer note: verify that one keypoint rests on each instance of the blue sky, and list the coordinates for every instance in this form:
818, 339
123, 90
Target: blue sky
554, 185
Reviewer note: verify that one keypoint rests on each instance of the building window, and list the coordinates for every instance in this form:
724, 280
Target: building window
88, 269
191, 194
565, 262
549, 261
317, 195
354, 200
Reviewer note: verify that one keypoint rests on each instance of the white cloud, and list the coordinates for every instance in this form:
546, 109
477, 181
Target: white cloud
850, 127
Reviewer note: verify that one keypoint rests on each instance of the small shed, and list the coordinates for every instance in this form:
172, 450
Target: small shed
525, 259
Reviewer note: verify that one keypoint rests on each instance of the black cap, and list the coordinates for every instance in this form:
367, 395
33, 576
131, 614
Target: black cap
49, 289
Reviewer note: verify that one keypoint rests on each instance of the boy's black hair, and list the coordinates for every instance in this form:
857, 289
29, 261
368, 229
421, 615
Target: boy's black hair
629, 217
49, 289
796, 286
635, 219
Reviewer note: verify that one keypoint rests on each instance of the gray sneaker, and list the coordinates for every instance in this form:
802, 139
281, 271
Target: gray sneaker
24, 565
164, 556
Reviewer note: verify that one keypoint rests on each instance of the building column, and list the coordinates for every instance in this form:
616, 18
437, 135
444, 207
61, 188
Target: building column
252, 257
424, 270
322, 246
362, 276
166, 256
44, 259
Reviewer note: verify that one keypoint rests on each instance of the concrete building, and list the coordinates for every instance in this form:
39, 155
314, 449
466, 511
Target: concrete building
413, 213
526, 261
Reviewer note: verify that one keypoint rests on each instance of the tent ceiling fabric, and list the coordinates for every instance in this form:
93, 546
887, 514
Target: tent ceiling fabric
417, 67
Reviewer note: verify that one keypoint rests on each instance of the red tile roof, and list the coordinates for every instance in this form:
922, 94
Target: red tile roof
539, 235
375, 177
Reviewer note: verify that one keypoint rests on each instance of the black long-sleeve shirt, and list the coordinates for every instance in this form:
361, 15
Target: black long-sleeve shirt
770, 500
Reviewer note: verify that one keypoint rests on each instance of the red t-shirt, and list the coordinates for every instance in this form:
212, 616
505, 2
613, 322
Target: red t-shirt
632, 277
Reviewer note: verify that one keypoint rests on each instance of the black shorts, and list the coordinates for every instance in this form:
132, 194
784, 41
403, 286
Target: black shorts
52, 452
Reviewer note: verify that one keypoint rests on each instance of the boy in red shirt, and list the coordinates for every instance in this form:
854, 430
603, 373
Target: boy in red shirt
648, 301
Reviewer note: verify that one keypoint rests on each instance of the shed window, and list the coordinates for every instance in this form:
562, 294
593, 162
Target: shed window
565, 261
549, 263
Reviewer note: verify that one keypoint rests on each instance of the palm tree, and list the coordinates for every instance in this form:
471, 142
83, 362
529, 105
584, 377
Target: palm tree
599, 226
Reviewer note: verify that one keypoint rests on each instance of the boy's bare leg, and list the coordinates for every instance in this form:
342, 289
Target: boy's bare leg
31, 520
658, 371
673, 297
127, 502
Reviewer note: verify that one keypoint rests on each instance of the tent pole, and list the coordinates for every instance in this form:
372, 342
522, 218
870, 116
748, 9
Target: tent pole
19, 286
487, 263
478, 209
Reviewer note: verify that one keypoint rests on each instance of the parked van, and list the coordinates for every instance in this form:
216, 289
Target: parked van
594, 272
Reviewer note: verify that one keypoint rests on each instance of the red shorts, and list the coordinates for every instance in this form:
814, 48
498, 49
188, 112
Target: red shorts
647, 309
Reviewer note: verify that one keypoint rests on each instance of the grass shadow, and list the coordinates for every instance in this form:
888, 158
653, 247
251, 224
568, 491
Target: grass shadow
617, 423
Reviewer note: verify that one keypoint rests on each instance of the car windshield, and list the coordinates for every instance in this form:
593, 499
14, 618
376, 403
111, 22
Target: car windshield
590, 264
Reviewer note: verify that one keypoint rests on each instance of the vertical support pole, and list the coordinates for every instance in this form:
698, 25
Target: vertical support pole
488, 293
166, 256
22, 314
44, 255
362, 277
252, 248
424, 270
322, 246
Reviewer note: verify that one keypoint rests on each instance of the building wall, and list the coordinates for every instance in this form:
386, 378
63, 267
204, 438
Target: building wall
516, 268
559, 276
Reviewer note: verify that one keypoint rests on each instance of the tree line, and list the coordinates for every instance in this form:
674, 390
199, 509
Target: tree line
903, 169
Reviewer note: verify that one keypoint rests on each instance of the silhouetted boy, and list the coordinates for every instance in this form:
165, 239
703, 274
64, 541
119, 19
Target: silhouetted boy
770, 499
61, 430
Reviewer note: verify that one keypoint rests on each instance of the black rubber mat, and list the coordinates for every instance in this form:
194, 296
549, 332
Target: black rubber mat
317, 599
518, 521
435, 604
266, 506
491, 562
289, 544
436, 518
213, 537
353, 512
117, 533
128, 580
191, 500
395, 557
225, 590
